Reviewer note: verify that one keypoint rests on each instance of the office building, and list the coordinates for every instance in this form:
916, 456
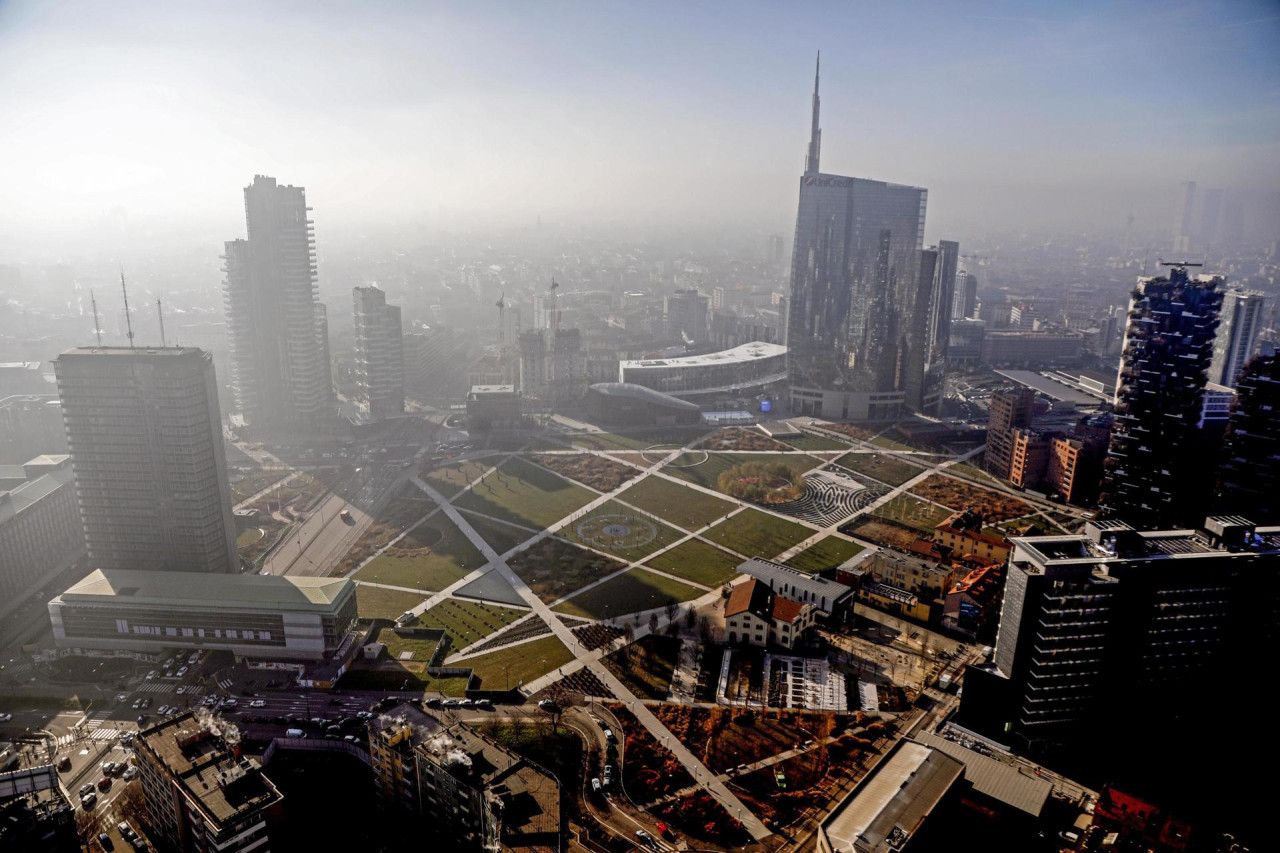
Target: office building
1249, 474
1011, 409
687, 313
145, 437
30, 425
1075, 461
965, 299
201, 794
1240, 321
853, 291
1107, 629
276, 327
745, 370
1031, 349
379, 362
493, 407
926, 347
1156, 466
251, 616
23, 377
40, 531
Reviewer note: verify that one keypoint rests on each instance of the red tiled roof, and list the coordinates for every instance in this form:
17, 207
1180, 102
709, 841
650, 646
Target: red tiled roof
786, 610
740, 598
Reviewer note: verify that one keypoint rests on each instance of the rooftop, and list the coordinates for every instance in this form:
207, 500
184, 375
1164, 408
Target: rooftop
884, 812
23, 496
131, 352
1109, 541
492, 389
639, 392
213, 591
778, 575
753, 351
1011, 784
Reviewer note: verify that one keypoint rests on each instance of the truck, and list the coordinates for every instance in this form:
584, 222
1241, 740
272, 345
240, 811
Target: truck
944, 681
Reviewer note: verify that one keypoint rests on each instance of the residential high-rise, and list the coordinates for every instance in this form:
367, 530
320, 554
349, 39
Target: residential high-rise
276, 329
853, 291
1249, 476
379, 362
965, 300
145, 437
1116, 627
1155, 465
1241, 319
688, 315
1011, 410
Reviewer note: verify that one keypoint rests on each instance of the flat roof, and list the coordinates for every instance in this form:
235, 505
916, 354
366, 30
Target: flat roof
493, 389
1050, 387
33, 490
1012, 784
815, 585
213, 591
754, 351
889, 806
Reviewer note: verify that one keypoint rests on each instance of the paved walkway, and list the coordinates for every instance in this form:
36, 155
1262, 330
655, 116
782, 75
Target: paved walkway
695, 768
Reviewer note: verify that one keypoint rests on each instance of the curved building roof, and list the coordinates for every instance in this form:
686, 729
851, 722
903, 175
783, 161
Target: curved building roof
639, 392
754, 351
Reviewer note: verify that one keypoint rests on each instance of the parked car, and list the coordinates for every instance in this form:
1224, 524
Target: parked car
86, 789
88, 801
64, 763
595, 785
105, 841
130, 772
182, 671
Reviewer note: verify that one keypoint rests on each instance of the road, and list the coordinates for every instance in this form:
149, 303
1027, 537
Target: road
317, 544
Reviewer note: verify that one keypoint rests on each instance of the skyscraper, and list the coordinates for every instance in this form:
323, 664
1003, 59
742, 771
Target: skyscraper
379, 364
1184, 222
145, 437
1237, 333
275, 324
854, 285
931, 327
965, 299
1155, 464
1249, 477
688, 314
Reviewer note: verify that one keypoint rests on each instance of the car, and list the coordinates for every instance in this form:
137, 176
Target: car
106, 842
89, 800
595, 785
466, 703
319, 721
104, 784
451, 703
647, 839
608, 734
130, 772
146, 702
137, 703
127, 738
350, 738
182, 670
333, 730
665, 831
142, 718
126, 831
64, 763
151, 675
86, 789
229, 703
366, 715
345, 515
191, 661
181, 689
4, 718
258, 703
548, 705
122, 697
484, 703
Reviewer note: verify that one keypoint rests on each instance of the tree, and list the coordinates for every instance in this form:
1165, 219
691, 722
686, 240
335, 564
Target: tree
88, 825
672, 610
653, 623
131, 803
690, 618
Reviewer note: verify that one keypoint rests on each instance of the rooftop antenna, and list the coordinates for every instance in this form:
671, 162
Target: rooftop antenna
160, 314
128, 321
97, 327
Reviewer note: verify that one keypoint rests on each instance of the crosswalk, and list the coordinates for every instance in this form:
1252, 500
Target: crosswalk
225, 683
156, 687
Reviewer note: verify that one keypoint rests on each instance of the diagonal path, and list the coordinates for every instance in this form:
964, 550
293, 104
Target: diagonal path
713, 785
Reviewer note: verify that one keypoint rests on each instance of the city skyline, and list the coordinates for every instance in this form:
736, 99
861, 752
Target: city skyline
983, 113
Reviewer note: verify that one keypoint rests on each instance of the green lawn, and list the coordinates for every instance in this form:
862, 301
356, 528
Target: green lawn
885, 468
450, 557
500, 537
631, 592
705, 474
374, 603
451, 479
421, 647
554, 568
758, 534
468, 621
595, 529
825, 553
913, 512
681, 505
525, 494
507, 668
811, 441
697, 561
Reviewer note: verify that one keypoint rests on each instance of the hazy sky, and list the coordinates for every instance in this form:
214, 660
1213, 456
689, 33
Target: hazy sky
632, 111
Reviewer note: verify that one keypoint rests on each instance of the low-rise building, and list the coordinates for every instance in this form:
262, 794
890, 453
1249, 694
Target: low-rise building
828, 598
201, 794
636, 405
493, 407
962, 532
755, 615
744, 370
252, 616
973, 602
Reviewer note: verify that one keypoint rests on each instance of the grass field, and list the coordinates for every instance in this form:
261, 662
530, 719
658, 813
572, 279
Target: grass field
525, 494
592, 529
553, 568
451, 479
450, 557
758, 534
705, 475
697, 561
628, 593
825, 553
500, 537
506, 668
886, 469
811, 441
646, 666
420, 647
913, 512
468, 621
680, 505
375, 603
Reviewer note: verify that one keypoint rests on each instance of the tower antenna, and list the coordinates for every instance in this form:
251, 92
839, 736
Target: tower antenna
815, 132
97, 327
128, 321
160, 314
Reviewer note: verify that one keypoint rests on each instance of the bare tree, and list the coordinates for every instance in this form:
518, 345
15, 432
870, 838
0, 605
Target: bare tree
690, 618
672, 610
653, 623
88, 825
131, 803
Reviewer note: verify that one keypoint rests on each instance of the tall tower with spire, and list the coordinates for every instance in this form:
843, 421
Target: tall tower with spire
851, 334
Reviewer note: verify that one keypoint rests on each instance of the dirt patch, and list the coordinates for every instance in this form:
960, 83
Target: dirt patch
597, 472
883, 532
851, 430
993, 506
740, 438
